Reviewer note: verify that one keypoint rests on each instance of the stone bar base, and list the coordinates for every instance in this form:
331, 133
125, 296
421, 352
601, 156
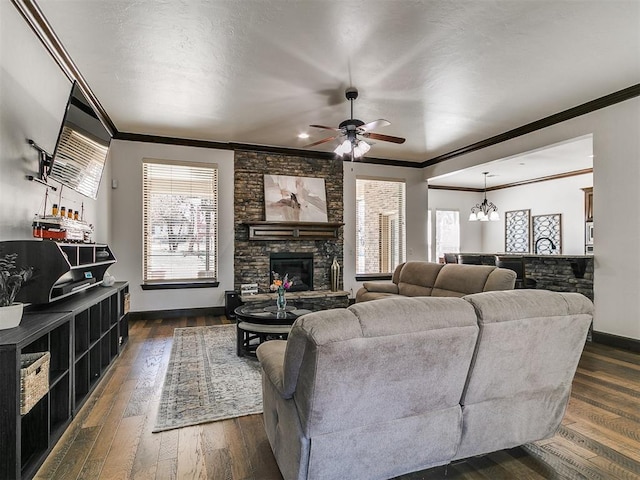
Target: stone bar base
311, 300
558, 273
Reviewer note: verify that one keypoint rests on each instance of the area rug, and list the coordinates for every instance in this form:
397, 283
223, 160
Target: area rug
206, 381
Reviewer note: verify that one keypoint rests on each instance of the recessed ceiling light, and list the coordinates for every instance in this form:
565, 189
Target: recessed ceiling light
303, 135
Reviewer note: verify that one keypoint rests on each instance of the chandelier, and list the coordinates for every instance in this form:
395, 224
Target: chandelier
485, 211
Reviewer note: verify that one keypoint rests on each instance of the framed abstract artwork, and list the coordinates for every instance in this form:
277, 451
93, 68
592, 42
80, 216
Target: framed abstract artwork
517, 231
294, 199
547, 234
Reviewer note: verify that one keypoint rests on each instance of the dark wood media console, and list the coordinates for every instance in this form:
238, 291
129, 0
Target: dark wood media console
59, 269
84, 334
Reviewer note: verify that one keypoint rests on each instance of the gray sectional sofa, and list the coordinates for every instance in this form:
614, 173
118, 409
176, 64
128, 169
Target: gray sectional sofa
403, 384
420, 279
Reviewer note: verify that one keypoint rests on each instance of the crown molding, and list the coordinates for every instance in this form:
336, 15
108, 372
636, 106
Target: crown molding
43, 30
248, 147
547, 178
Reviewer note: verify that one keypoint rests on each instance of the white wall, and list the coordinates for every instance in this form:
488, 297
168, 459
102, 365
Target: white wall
471, 233
416, 210
616, 187
563, 196
126, 223
33, 97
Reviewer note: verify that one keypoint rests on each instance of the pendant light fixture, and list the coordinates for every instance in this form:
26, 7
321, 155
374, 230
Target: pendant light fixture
485, 211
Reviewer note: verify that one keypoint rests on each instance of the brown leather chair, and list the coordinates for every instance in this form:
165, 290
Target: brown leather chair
470, 259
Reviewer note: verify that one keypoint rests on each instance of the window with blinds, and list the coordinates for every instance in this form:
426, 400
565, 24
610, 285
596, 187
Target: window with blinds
380, 225
180, 221
447, 232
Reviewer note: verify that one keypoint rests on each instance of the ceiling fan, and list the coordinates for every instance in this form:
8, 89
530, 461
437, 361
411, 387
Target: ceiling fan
354, 130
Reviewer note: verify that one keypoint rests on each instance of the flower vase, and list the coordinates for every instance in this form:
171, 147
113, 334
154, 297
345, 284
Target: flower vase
281, 301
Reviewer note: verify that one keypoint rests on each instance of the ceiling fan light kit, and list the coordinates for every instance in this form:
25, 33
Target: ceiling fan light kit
352, 129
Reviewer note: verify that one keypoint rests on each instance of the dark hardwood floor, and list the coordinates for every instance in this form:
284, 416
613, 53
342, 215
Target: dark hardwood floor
111, 437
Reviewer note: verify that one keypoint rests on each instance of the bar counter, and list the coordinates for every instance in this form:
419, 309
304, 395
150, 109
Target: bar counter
559, 273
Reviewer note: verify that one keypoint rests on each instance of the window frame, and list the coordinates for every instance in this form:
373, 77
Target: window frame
192, 282
402, 216
436, 236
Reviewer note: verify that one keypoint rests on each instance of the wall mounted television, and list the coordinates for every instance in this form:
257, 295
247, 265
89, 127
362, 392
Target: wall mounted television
82, 147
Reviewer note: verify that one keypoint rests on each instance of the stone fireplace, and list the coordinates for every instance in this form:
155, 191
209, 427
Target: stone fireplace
298, 266
252, 258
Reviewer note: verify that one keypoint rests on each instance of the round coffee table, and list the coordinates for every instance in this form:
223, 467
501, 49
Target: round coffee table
258, 322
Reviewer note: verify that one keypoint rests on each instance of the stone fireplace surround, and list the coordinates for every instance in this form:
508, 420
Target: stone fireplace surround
252, 257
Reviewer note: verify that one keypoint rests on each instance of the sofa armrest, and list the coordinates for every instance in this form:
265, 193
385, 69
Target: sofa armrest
271, 357
382, 287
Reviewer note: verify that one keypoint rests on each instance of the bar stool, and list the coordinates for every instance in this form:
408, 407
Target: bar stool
516, 264
450, 258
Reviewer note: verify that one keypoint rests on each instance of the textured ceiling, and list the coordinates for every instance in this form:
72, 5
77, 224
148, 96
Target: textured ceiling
444, 73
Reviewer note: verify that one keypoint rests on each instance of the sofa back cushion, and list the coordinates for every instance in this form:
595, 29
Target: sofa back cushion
395, 278
520, 379
416, 279
457, 280
500, 279
378, 361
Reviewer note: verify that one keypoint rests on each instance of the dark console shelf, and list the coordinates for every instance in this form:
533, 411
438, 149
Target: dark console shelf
59, 269
84, 334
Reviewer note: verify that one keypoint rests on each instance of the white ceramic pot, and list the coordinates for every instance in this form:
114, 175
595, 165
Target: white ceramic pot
11, 316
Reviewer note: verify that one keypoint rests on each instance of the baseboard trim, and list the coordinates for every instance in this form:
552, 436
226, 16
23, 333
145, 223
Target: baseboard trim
175, 313
617, 341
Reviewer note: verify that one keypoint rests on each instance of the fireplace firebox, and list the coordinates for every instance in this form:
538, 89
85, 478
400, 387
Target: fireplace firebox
299, 267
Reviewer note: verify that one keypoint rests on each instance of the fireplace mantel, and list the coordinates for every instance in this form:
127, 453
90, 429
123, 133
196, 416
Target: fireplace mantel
292, 230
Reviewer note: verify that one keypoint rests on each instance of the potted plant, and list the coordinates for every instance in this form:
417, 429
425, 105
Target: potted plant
11, 279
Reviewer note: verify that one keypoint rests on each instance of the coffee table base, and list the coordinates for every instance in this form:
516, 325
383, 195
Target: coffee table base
250, 335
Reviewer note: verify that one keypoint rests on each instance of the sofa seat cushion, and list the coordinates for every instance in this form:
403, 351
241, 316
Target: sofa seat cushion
364, 296
381, 287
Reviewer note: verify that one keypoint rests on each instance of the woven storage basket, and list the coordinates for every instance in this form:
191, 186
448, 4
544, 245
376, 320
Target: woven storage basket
34, 379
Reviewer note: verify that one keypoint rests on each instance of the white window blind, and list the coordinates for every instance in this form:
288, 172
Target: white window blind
180, 221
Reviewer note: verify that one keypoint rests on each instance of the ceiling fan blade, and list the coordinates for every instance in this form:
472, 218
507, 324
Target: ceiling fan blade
375, 124
383, 138
324, 140
326, 128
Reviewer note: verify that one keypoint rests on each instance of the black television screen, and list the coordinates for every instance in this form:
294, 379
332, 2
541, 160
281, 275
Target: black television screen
82, 147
